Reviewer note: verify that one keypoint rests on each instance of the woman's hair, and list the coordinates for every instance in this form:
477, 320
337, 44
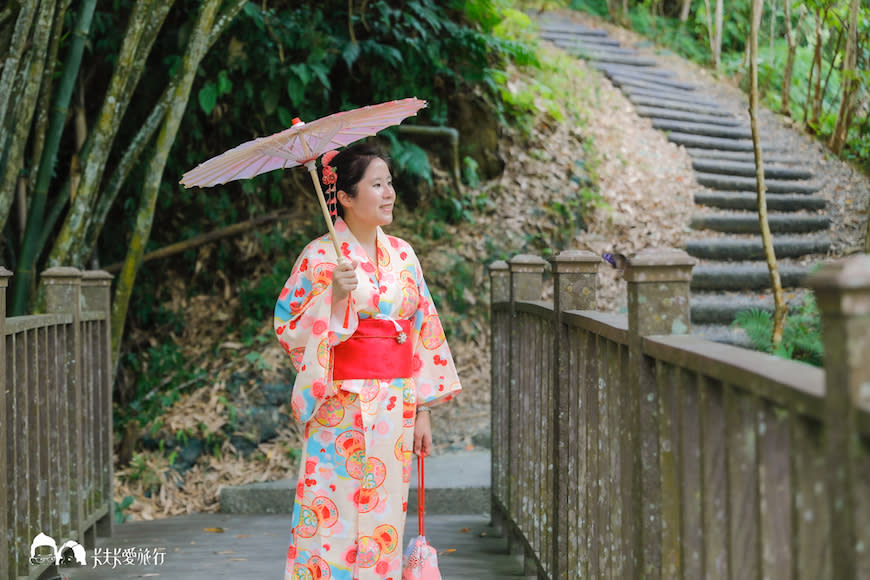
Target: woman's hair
350, 165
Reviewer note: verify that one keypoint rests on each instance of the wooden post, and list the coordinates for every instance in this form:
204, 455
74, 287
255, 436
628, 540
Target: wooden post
575, 275
843, 294
658, 303
526, 283
63, 296
5, 556
527, 280
96, 296
499, 289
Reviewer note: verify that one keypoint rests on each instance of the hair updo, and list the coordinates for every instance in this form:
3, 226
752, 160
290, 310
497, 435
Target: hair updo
350, 165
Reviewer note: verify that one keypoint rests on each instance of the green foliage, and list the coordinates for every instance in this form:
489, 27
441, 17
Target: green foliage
141, 471
163, 374
470, 173
801, 337
409, 158
596, 7
211, 92
120, 507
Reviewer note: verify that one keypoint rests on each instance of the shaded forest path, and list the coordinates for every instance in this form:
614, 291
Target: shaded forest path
732, 273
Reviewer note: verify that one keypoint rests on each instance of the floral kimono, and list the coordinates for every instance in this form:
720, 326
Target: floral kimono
352, 496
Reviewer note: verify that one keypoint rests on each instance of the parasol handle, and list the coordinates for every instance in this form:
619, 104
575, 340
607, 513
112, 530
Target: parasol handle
421, 497
313, 172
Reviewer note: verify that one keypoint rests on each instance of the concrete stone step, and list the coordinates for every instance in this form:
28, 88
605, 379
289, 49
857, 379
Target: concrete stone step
679, 96
664, 103
737, 183
550, 25
628, 79
743, 156
617, 59
748, 169
744, 276
718, 143
722, 308
744, 200
456, 483
705, 129
578, 45
652, 73
747, 223
722, 333
674, 115
553, 35
750, 248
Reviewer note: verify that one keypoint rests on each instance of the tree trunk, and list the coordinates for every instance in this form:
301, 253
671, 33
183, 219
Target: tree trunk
772, 36
718, 38
685, 11
711, 33
850, 83
824, 90
24, 273
766, 238
196, 49
815, 105
785, 104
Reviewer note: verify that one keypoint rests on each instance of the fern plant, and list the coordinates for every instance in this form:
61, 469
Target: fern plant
801, 338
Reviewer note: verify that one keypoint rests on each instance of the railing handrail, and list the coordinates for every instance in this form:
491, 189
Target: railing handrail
626, 447
791, 384
55, 420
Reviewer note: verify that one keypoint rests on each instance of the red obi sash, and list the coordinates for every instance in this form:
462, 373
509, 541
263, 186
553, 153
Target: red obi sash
375, 351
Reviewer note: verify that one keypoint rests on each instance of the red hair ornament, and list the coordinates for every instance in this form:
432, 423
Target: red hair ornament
329, 178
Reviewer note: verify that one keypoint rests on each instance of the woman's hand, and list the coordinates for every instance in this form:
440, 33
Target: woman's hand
344, 279
422, 435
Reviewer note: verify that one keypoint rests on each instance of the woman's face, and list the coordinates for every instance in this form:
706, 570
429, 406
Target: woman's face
373, 204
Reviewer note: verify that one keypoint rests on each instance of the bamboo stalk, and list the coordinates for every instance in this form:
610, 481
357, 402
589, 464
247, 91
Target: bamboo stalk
99, 143
17, 48
35, 222
20, 48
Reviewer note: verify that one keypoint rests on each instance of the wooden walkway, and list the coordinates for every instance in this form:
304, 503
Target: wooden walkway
207, 546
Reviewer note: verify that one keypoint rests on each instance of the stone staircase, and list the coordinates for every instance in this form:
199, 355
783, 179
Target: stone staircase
732, 273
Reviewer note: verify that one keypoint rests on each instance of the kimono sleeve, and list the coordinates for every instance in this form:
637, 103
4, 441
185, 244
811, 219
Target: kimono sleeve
301, 322
435, 373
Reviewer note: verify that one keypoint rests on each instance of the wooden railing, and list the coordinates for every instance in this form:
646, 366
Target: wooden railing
55, 420
625, 447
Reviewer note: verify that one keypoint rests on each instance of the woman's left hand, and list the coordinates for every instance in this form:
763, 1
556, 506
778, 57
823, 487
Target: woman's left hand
422, 435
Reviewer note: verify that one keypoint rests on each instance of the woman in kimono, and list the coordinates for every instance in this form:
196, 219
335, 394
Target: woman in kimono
371, 360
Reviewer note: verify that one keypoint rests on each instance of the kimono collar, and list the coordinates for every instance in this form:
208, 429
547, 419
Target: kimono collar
353, 247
